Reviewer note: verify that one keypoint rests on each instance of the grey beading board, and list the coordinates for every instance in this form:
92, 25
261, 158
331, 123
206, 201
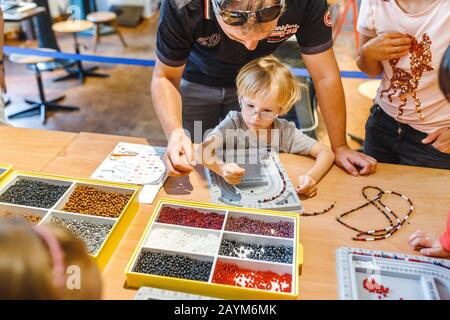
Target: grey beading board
149, 293
408, 277
264, 179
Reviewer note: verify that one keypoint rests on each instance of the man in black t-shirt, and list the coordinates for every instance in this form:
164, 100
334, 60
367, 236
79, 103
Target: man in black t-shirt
202, 44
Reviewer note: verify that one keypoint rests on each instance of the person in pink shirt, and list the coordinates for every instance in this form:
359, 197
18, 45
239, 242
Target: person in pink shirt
426, 243
429, 245
404, 42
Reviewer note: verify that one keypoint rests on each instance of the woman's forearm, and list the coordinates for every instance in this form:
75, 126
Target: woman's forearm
369, 66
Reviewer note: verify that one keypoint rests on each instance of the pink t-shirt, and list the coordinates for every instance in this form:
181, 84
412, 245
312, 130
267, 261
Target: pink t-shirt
381, 16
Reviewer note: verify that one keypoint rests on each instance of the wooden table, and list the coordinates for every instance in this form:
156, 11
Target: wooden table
80, 154
14, 16
29, 149
74, 27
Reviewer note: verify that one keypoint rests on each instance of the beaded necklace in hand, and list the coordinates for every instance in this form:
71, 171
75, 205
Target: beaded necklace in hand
395, 223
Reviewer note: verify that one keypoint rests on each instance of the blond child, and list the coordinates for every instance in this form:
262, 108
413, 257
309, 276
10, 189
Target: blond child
45, 263
266, 90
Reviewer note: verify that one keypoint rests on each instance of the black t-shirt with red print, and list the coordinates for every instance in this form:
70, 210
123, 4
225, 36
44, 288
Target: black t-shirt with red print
188, 33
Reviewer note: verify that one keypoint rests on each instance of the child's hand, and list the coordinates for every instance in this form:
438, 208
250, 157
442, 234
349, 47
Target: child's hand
427, 245
307, 186
232, 173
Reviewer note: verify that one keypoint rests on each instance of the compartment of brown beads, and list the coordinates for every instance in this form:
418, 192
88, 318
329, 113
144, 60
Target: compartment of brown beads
95, 200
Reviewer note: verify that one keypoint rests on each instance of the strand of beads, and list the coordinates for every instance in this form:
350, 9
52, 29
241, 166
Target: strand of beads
395, 222
283, 180
317, 213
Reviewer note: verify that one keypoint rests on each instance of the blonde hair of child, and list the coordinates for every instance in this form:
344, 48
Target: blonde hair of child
26, 270
269, 79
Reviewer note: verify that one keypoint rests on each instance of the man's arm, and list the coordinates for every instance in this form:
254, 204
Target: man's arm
325, 74
166, 96
179, 157
330, 94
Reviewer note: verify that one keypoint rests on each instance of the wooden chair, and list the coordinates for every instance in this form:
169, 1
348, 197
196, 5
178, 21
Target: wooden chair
104, 17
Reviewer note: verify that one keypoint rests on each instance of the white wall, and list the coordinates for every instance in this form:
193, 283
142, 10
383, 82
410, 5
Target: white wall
55, 4
149, 5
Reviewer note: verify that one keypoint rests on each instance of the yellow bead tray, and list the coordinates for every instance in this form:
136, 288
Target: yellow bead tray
119, 224
209, 288
5, 169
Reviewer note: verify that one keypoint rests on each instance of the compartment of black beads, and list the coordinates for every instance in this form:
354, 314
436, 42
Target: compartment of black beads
264, 252
34, 193
173, 265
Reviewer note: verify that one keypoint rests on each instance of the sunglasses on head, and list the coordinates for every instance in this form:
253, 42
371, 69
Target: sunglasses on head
239, 18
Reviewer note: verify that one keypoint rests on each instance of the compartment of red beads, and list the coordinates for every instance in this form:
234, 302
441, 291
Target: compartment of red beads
191, 217
253, 275
266, 225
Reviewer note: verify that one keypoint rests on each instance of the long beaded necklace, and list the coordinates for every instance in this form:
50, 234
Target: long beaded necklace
395, 223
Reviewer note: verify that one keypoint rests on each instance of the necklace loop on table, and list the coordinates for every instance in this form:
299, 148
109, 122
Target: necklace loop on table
395, 222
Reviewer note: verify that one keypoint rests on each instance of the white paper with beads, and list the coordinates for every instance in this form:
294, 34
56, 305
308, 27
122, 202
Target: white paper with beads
137, 164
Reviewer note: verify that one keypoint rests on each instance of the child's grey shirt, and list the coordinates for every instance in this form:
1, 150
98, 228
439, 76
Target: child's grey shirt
285, 136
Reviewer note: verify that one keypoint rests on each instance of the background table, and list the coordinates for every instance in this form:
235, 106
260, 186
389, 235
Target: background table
80, 154
26, 15
74, 27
